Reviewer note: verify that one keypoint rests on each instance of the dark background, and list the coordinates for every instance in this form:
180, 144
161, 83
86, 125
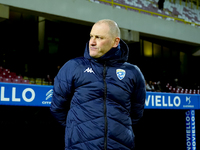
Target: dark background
30, 128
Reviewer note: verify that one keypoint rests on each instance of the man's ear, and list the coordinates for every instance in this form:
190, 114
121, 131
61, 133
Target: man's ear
116, 42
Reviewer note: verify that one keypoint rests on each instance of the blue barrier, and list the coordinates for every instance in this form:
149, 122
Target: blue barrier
156, 100
25, 94
36, 95
190, 130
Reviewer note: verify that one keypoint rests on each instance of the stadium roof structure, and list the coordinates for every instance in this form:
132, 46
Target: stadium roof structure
86, 12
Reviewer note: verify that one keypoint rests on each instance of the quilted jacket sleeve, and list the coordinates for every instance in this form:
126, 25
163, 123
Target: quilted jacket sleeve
62, 92
138, 97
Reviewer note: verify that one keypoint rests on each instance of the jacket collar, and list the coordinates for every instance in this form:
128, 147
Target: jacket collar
118, 54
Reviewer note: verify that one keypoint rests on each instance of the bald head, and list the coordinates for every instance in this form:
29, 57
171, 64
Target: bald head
114, 29
104, 35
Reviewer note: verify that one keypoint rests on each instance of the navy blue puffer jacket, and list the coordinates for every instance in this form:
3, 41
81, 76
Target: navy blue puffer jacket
106, 96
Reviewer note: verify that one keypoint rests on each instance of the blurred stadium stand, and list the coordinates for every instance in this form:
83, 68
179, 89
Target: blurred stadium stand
12, 77
178, 11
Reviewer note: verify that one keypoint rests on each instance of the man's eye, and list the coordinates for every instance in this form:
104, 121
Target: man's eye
98, 37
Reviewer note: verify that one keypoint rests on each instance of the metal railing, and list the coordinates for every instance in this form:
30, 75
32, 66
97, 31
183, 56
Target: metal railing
114, 4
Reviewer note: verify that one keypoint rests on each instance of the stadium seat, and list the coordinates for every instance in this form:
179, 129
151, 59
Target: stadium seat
16, 80
194, 91
1, 79
186, 91
8, 80
190, 91
18, 77
181, 91
7, 71
178, 90
25, 81
167, 86
170, 89
173, 90
198, 91
12, 75
4, 74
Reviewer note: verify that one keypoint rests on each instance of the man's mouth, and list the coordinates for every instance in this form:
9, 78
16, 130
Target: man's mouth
93, 48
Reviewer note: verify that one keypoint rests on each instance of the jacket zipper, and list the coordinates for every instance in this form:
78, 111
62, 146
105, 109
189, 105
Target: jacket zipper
105, 108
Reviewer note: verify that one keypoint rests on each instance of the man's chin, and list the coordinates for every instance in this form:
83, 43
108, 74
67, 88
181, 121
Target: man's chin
94, 55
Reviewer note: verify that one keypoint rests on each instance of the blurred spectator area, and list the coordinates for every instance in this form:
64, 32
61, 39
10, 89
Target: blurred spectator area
174, 86
11, 77
187, 12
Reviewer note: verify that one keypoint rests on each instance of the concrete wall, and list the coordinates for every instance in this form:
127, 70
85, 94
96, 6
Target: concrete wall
4, 12
83, 10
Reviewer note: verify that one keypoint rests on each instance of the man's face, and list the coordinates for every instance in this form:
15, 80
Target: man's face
101, 40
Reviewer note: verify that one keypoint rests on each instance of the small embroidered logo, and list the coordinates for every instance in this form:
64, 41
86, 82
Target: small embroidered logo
89, 70
120, 73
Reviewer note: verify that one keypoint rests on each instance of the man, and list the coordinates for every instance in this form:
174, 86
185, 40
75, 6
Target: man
106, 94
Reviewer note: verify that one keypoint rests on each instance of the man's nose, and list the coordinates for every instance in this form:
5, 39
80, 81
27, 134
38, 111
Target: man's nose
93, 41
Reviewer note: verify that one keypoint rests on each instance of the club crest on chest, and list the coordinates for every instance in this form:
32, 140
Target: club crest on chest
120, 73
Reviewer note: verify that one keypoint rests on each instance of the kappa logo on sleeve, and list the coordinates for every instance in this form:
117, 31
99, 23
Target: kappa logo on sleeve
120, 73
